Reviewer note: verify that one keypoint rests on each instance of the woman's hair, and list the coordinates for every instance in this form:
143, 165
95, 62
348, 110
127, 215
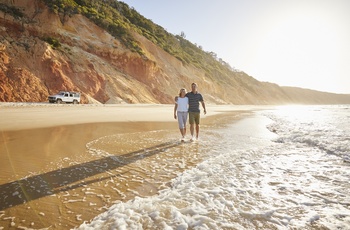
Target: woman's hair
183, 89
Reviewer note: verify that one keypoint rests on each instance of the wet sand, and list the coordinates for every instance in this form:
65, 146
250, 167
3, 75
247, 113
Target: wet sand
52, 177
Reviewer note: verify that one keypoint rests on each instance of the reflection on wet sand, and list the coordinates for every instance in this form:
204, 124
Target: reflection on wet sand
72, 177
40, 167
57, 184
59, 177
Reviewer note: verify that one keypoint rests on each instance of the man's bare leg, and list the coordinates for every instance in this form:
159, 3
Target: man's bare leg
197, 131
192, 130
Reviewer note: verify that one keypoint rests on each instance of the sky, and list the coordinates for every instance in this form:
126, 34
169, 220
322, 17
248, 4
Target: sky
302, 43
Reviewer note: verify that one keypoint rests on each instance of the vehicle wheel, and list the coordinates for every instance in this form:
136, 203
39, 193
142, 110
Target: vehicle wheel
59, 101
75, 102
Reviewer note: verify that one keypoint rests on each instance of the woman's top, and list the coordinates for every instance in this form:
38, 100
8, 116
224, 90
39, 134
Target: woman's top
182, 104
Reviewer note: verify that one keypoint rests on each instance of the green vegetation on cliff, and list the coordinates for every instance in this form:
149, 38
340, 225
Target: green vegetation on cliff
121, 21
16, 13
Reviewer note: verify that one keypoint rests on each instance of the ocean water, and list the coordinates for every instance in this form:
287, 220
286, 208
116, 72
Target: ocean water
286, 168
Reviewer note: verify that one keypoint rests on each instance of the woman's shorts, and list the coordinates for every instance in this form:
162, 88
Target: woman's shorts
182, 119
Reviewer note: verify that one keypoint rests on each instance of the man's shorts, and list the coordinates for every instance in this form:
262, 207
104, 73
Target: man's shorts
194, 117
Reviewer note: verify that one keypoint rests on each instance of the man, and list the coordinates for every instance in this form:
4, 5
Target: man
194, 97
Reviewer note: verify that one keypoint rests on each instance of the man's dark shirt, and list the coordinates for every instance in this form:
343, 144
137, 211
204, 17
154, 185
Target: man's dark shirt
193, 101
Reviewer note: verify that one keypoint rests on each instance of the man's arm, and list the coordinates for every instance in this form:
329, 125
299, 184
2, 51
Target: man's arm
203, 105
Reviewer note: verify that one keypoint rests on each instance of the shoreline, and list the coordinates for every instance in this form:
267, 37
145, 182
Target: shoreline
32, 132
39, 150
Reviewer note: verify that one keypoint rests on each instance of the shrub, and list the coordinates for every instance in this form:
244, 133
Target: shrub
54, 43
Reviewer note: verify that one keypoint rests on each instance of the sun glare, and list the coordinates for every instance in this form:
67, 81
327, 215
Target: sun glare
302, 46
296, 111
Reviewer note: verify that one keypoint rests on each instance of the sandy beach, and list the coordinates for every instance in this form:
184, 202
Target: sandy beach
124, 167
54, 177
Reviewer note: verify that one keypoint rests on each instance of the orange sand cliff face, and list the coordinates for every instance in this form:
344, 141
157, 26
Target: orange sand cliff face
89, 61
97, 65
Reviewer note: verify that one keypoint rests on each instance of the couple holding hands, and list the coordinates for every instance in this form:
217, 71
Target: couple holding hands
188, 104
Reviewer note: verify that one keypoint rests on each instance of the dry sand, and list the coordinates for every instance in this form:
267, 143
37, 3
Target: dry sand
49, 179
19, 116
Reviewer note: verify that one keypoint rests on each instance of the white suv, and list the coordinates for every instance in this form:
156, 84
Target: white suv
65, 97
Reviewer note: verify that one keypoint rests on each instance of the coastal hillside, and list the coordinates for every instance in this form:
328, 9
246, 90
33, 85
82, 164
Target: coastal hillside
111, 54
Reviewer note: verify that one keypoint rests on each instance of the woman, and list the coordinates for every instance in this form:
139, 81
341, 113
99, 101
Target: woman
181, 111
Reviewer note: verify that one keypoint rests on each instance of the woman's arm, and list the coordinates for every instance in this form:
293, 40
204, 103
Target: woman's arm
175, 109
